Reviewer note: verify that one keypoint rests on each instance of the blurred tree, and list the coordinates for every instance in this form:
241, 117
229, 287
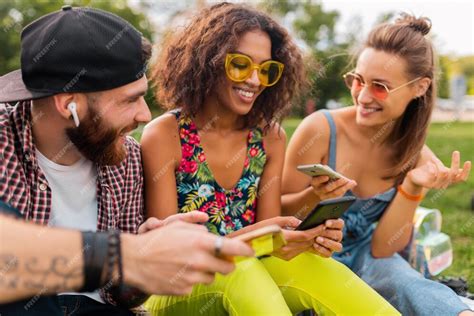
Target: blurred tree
443, 77
467, 66
450, 66
316, 28
16, 14
384, 17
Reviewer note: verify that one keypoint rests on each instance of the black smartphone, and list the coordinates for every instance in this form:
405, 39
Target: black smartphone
327, 209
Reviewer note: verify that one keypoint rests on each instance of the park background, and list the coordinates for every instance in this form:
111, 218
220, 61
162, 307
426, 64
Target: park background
328, 31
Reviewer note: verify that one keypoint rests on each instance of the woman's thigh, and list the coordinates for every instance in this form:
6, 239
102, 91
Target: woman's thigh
249, 290
329, 287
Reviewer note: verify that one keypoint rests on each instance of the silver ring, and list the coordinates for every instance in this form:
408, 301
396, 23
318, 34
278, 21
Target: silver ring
218, 246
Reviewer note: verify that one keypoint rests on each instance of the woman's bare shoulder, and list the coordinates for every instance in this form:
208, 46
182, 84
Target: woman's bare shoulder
162, 130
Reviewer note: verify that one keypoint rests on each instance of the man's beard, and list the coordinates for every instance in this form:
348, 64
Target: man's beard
96, 141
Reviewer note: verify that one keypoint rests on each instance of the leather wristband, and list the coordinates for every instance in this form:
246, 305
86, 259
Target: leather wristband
95, 252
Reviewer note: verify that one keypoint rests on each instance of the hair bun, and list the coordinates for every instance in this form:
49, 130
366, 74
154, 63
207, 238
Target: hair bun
421, 24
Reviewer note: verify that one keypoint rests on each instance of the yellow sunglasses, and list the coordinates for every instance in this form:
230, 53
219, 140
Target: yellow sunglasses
239, 68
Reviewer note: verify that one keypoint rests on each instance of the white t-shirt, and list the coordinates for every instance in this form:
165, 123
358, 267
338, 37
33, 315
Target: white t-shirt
73, 197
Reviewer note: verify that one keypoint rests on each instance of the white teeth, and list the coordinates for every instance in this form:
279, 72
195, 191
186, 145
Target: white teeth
370, 110
246, 94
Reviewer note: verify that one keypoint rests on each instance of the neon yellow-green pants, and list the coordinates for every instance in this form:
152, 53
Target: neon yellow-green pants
272, 286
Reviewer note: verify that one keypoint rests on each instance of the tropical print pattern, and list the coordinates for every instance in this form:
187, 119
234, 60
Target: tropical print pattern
228, 210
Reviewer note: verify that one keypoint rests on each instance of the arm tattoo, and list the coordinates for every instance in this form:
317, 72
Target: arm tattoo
55, 273
8, 264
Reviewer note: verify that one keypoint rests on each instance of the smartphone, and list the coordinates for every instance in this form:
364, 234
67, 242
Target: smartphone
315, 170
264, 240
327, 209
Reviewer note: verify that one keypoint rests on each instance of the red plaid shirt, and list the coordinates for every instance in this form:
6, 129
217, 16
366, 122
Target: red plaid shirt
24, 186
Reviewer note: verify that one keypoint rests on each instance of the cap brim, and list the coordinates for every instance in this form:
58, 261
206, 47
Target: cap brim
13, 89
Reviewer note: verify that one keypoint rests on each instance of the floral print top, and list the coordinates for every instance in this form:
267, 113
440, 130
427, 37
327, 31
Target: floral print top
228, 210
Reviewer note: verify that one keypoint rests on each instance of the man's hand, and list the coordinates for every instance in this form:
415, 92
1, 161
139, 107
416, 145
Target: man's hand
172, 259
194, 217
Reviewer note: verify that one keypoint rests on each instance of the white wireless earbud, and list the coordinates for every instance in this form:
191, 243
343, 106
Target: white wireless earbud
72, 107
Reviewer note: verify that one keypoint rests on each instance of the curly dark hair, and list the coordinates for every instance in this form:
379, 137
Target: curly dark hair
192, 62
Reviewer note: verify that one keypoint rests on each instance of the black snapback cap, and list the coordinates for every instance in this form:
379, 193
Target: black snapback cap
74, 50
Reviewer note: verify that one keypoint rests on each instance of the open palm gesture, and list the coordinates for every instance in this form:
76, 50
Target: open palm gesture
434, 175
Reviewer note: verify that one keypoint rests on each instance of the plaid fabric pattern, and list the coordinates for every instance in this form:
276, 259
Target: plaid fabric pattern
24, 186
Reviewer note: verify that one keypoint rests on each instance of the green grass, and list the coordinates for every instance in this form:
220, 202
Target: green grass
290, 125
455, 202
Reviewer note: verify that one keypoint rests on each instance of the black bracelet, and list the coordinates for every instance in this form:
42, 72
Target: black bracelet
114, 258
95, 252
123, 295
127, 296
